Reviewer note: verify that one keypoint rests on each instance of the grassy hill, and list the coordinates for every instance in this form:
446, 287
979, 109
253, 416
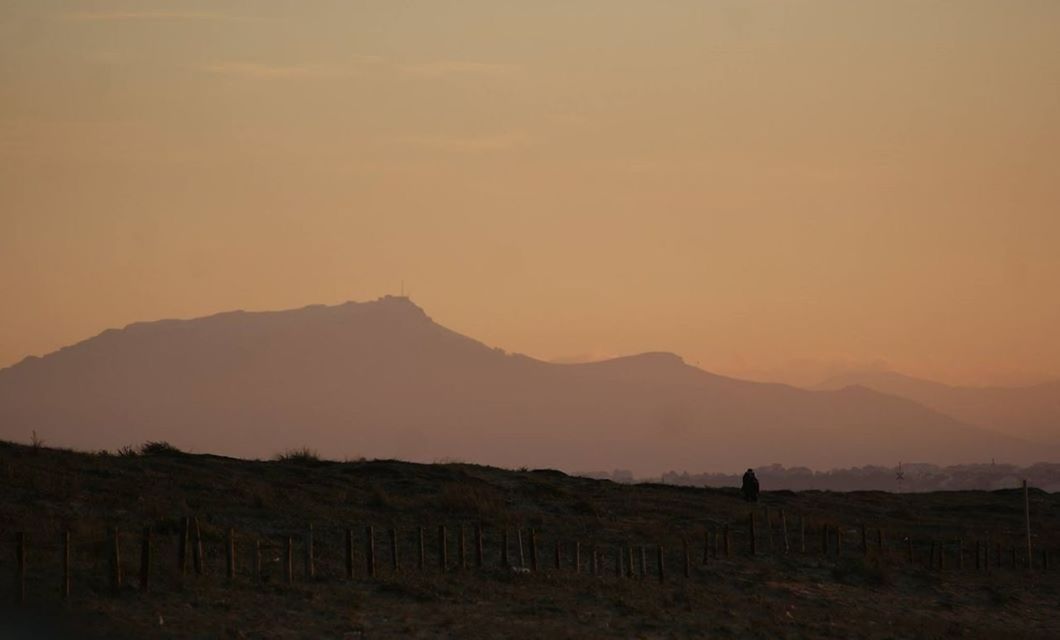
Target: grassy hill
773, 594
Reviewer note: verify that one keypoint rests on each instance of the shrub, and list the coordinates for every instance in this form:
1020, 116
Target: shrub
159, 448
301, 455
128, 451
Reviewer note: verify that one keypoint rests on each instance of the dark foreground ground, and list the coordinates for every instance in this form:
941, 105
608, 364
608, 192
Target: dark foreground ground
773, 594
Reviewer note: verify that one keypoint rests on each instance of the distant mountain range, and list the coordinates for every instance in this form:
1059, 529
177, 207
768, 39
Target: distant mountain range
381, 379
1030, 412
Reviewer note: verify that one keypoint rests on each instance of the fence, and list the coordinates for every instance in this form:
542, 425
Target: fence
167, 557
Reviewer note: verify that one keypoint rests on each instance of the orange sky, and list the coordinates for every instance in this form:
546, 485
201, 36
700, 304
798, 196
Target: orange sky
771, 189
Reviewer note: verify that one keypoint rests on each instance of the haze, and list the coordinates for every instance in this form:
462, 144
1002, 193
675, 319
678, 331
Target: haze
774, 190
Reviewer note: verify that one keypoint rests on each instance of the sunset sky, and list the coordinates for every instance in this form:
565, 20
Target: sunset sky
775, 190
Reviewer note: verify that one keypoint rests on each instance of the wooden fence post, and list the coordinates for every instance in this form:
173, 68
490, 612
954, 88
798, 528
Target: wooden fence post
533, 550
769, 529
145, 559
310, 568
505, 543
230, 556
594, 560
66, 565
1027, 521
349, 553
20, 567
462, 551
519, 539
660, 561
422, 560
257, 559
629, 568
288, 564
394, 563
784, 532
182, 546
443, 549
200, 561
478, 546
802, 534
643, 561
751, 533
369, 551
115, 560
688, 560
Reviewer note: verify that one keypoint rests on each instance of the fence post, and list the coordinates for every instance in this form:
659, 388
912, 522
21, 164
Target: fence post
784, 531
115, 560
349, 553
288, 565
257, 558
393, 550
802, 534
751, 533
231, 555
643, 561
727, 540
443, 549
595, 560
1027, 521
660, 561
688, 560
200, 561
629, 568
310, 569
461, 555
533, 550
422, 560
505, 543
182, 546
145, 559
519, 539
478, 545
769, 530
66, 565
369, 551
20, 570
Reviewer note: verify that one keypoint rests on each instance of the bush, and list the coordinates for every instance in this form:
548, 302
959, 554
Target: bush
128, 451
159, 448
302, 455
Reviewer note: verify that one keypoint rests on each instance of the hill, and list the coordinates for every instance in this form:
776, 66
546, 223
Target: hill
772, 594
382, 379
1029, 412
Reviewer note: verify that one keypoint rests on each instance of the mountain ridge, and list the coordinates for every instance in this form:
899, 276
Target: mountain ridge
381, 378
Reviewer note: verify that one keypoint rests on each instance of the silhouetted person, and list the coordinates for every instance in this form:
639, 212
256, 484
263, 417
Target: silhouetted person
750, 486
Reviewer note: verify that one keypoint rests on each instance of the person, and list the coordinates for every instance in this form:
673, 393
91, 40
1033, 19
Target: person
750, 486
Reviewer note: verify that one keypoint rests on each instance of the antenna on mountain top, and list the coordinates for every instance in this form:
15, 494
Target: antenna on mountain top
899, 476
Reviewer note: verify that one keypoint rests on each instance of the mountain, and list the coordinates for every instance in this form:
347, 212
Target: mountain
382, 379
1030, 412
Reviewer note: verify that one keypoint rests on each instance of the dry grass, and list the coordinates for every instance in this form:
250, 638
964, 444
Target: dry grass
773, 595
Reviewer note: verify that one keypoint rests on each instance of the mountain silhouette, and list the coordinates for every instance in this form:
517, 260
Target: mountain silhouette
381, 379
1031, 412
